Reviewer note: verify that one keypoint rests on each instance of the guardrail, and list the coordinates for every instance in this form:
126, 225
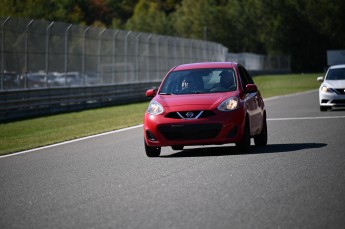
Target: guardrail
20, 104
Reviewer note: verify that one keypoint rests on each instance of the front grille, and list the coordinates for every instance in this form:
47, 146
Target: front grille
341, 91
339, 101
183, 114
190, 131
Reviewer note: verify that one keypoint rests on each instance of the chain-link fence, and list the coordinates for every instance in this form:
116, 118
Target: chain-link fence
261, 63
44, 54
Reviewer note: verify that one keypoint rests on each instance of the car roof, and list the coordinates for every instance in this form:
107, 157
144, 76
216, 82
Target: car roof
337, 66
205, 65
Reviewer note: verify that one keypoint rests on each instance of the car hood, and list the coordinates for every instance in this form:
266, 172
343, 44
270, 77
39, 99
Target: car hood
194, 101
335, 83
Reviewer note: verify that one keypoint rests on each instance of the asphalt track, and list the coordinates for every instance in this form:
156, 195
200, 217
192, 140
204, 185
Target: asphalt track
297, 181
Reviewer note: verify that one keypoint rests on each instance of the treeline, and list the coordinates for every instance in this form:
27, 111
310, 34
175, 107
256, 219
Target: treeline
303, 29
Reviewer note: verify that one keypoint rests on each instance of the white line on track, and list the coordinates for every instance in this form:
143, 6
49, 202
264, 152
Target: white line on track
304, 118
75, 140
290, 95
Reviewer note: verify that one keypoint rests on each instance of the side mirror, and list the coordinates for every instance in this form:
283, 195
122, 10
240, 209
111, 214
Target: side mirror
250, 88
151, 93
320, 79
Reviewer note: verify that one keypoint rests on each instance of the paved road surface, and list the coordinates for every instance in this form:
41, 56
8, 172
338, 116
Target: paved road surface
297, 181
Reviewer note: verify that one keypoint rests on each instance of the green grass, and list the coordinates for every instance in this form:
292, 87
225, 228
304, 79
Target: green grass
272, 85
28, 134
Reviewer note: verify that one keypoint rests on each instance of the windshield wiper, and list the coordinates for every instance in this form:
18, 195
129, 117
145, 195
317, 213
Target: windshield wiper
164, 93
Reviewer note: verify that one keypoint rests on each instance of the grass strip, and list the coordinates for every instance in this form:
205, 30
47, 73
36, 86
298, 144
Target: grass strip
27, 134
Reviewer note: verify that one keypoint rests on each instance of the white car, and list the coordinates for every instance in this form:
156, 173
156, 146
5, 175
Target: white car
332, 89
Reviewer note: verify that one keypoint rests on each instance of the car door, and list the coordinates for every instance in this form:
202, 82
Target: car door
252, 100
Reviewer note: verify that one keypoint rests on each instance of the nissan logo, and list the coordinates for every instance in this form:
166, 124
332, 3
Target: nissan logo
189, 114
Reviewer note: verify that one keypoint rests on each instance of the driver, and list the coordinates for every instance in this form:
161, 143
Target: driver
226, 79
191, 83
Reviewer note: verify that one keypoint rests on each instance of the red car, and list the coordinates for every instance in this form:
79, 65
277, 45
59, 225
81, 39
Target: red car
203, 104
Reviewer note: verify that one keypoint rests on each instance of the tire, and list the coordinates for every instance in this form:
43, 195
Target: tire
261, 139
244, 144
152, 151
323, 108
177, 147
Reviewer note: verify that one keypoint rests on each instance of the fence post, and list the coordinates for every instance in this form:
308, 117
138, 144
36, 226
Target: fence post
166, 59
175, 52
147, 60
26, 54
114, 48
2, 51
199, 51
204, 51
47, 51
84, 53
66, 52
192, 57
157, 58
126, 53
100, 75
137, 56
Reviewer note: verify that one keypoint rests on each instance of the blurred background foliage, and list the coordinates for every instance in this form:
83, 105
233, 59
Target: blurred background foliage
303, 29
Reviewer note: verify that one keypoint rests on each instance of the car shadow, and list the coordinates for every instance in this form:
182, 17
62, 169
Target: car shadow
335, 109
232, 150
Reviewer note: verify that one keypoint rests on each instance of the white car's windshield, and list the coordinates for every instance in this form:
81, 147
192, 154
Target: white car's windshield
336, 74
199, 81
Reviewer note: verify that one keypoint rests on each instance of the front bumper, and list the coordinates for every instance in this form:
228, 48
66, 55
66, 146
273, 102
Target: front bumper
331, 99
221, 128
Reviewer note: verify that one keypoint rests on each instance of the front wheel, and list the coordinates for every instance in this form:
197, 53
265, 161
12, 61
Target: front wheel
244, 144
323, 108
261, 139
152, 151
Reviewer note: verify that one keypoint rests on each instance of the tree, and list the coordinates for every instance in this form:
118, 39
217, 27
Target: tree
286, 29
148, 17
191, 18
303, 29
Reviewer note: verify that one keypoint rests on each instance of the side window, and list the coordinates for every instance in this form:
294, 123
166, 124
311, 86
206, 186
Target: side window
245, 77
249, 78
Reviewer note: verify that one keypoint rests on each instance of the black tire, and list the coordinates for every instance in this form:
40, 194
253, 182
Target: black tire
244, 144
152, 151
177, 147
261, 139
323, 108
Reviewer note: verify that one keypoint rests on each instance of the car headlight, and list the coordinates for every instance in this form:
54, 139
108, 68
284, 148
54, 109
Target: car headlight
229, 104
326, 89
155, 108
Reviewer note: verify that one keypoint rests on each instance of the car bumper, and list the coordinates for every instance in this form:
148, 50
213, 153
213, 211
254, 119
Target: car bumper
331, 99
222, 128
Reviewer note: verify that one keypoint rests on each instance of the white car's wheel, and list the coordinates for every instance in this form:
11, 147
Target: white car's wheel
324, 108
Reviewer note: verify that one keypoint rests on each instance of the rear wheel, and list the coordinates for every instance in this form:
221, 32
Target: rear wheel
261, 139
244, 144
152, 151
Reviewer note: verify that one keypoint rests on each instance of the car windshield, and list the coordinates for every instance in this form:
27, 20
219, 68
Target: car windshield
336, 74
198, 81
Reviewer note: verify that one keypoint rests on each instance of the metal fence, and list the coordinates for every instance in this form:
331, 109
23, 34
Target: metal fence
261, 63
45, 54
